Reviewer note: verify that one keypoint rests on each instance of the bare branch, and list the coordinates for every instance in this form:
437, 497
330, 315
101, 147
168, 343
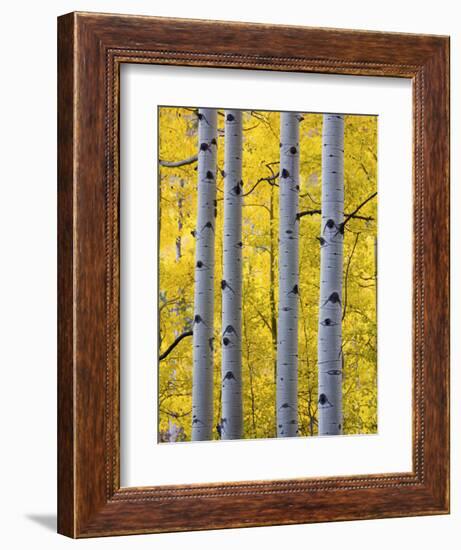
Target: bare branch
307, 194
269, 179
361, 205
353, 214
300, 215
174, 344
177, 163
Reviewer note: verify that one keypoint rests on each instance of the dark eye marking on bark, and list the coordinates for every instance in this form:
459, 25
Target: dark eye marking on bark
323, 401
286, 308
340, 229
286, 406
322, 241
294, 290
329, 224
201, 116
285, 173
334, 372
209, 175
230, 117
289, 231
226, 341
213, 141
236, 190
198, 320
293, 150
328, 323
239, 244
223, 173
208, 225
229, 376
193, 233
241, 183
197, 421
333, 298
225, 284
204, 146
230, 329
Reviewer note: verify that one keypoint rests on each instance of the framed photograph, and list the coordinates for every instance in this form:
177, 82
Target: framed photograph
253, 275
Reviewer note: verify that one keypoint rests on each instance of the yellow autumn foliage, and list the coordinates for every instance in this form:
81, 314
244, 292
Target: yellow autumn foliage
177, 213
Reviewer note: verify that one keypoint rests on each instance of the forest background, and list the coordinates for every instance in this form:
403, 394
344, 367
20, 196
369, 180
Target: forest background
177, 218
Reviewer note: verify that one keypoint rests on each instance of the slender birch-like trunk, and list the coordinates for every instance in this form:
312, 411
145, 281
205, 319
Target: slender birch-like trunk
202, 385
287, 326
272, 275
180, 196
231, 419
330, 368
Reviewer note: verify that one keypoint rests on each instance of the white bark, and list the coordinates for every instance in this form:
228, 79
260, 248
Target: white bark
231, 424
202, 386
180, 221
287, 335
331, 239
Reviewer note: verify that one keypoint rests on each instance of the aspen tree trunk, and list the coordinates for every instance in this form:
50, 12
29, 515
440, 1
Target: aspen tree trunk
202, 385
331, 239
231, 419
178, 243
287, 326
272, 274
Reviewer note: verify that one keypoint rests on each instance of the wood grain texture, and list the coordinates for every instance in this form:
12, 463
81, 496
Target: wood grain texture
91, 49
66, 487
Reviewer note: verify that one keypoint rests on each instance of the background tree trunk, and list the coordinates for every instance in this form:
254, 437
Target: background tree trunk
231, 419
202, 386
287, 326
331, 274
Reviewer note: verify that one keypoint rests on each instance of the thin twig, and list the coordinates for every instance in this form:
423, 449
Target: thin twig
347, 275
269, 179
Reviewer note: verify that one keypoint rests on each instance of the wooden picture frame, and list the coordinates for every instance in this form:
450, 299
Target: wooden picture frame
92, 48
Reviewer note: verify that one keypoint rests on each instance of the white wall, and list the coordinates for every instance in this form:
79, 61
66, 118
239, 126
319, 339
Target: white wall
28, 269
